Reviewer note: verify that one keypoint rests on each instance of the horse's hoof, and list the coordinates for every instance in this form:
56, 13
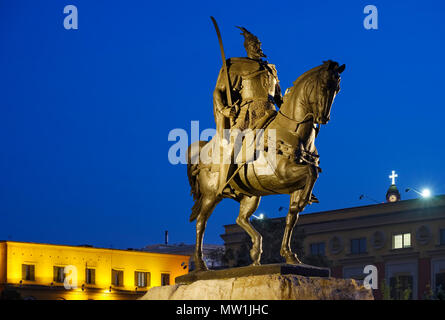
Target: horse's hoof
201, 266
291, 258
256, 263
255, 255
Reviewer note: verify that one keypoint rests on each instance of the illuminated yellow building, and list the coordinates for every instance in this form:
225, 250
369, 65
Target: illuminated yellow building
43, 271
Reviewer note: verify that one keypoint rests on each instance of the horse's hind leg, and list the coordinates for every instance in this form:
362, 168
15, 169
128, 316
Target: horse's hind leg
248, 205
207, 206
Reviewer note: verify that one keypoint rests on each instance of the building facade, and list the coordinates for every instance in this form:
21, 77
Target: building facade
404, 240
47, 271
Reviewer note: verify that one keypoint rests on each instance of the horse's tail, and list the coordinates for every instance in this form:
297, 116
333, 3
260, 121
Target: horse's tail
193, 169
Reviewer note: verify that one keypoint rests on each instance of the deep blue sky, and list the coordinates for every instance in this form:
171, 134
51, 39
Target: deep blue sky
85, 114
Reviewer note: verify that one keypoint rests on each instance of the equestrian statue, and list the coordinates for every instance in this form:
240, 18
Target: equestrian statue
246, 93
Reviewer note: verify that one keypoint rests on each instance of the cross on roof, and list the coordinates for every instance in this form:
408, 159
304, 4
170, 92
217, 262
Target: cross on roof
393, 176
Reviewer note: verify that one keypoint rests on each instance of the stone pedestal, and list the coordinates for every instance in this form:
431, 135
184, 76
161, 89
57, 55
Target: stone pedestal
276, 268
264, 287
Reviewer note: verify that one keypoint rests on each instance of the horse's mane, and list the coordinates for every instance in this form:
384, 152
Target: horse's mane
301, 88
304, 76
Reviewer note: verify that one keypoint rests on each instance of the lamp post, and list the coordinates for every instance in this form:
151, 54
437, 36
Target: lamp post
260, 217
365, 196
425, 193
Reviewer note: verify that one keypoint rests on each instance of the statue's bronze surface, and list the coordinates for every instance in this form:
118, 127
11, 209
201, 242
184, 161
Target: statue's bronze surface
245, 96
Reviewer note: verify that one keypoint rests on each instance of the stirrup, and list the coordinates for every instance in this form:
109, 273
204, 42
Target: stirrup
314, 199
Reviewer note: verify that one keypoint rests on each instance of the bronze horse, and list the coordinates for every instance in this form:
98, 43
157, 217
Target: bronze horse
306, 106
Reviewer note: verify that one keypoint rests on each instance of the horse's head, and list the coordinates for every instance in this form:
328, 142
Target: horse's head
321, 89
313, 93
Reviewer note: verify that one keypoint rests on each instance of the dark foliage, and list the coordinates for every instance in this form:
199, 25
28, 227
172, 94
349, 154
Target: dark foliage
272, 231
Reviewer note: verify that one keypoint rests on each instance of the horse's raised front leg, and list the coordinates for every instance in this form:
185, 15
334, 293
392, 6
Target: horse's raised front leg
298, 201
291, 221
208, 204
248, 205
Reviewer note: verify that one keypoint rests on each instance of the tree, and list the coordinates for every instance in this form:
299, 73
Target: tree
216, 257
272, 231
317, 260
10, 294
430, 295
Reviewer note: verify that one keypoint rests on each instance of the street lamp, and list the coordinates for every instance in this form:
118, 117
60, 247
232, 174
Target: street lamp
365, 196
425, 193
260, 217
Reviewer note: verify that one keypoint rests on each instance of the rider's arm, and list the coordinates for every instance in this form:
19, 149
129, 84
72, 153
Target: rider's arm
219, 94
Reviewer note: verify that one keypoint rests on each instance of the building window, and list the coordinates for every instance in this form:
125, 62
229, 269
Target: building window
318, 249
165, 279
141, 279
442, 236
401, 240
358, 246
401, 287
28, 272
90, 276
440, 282
117, 278
59, 274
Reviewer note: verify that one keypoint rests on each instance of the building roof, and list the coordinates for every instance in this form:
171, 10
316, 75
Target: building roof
90, 247
364, 216
181, 248
374, 209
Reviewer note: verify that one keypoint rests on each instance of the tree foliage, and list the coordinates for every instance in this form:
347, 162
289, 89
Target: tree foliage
272, 231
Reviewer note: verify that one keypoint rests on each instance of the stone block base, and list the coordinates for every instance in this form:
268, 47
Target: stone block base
264, 287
